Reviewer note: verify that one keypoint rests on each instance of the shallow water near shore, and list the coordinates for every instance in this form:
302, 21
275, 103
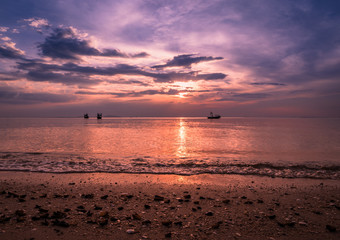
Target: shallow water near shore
281, 147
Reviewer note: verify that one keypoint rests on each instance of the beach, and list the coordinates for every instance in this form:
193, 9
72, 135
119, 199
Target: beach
151, 206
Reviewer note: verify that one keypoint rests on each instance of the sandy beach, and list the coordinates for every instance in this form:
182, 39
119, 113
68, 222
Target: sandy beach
145, 206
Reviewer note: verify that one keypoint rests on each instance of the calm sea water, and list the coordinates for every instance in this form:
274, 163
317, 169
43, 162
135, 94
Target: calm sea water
294, 147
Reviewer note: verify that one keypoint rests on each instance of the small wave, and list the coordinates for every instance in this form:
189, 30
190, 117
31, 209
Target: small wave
70, 163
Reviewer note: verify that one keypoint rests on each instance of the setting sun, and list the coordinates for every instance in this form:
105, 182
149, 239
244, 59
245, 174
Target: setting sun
184, 85
182, 95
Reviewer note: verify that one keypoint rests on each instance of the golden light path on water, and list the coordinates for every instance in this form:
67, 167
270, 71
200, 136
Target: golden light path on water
182, 149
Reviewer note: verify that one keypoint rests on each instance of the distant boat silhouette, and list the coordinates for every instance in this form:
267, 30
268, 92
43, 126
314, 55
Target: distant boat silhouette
86, 115
99, 115
214, 116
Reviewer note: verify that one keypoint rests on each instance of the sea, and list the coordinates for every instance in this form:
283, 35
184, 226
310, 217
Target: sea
275, 147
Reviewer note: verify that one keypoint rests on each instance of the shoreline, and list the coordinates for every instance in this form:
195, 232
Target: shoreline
170, 178
162, 206
267, 171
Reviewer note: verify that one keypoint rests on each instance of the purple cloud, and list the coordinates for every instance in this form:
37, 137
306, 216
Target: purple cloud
17, 96
66, 43
267, 83
132, 93
8, 50
186, 60
38, 71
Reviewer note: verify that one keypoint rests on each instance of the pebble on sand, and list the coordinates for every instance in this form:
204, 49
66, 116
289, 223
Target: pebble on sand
131, 231
331, 228
158, 198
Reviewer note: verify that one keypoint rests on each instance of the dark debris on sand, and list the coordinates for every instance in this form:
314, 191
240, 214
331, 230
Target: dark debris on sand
196, 213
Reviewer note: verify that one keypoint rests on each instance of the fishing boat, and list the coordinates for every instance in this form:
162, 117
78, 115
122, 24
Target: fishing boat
99, 115
214, 116
86, 115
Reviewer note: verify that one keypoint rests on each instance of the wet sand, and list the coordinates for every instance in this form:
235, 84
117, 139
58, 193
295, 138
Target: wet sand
142, 206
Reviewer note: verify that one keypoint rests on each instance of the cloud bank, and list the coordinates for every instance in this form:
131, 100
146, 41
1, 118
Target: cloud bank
67, 43
186, 60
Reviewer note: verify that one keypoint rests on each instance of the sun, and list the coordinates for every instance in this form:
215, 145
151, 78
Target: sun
184, 88
182, 95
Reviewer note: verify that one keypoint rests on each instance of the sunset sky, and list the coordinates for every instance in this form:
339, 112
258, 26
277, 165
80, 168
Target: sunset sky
62, 58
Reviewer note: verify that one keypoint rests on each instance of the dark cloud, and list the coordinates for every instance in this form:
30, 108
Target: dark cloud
140, 55
8, 76
40, 70
267, 83
65, 43
212, 76
106, 71
10, 52
186, 60
132, 93
65, 78
169, 77
251, 95
71, 73
154, 92
117, 53
242, 97
14, 96
130, 81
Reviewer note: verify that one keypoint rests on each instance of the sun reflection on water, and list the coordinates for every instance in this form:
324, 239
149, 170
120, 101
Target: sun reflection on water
182, 148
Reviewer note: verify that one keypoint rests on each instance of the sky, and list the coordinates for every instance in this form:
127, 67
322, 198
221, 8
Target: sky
248, 58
